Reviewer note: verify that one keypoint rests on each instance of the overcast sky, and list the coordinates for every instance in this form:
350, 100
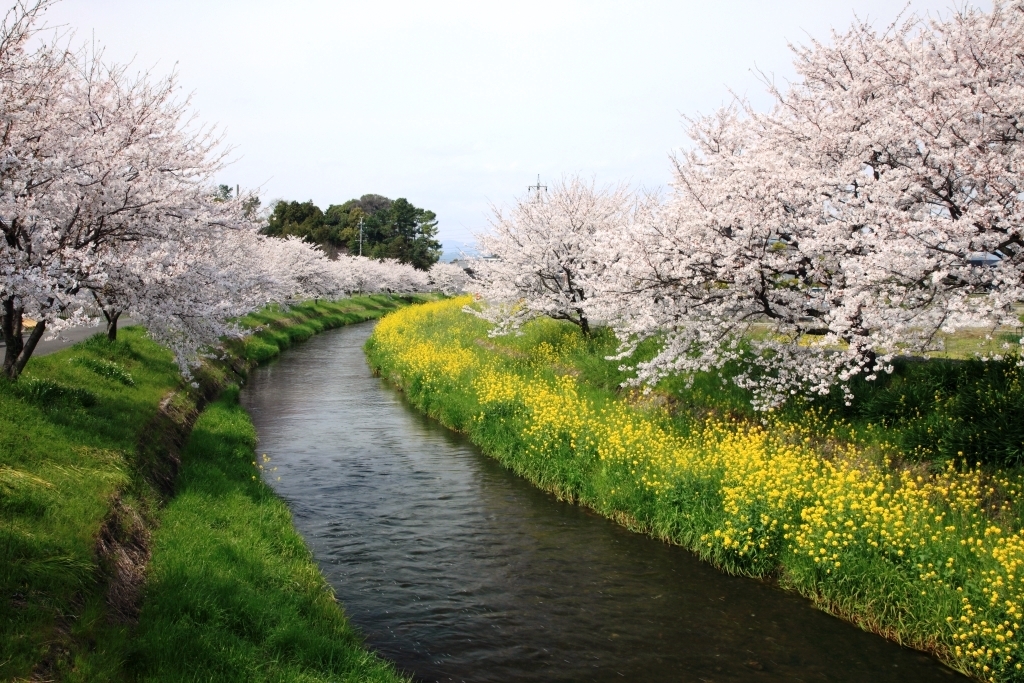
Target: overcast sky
458, 105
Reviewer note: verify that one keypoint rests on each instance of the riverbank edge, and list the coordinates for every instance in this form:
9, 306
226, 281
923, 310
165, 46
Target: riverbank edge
92, 633
464, 415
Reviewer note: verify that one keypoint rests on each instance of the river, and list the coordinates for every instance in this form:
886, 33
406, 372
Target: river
458, 570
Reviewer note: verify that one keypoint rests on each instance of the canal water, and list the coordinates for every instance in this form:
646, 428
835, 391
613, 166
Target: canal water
457, 570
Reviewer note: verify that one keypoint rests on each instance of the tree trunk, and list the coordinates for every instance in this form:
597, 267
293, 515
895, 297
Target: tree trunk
11, 325
17, 350
111, 323
584, 324
872, 359
30, 346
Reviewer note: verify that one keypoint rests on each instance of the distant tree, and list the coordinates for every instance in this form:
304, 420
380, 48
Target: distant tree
391, 229
288, 219
250, 207
337, 214
344, 220
369, 204
403, 232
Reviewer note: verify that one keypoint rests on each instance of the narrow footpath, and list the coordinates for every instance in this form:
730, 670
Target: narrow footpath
70, 337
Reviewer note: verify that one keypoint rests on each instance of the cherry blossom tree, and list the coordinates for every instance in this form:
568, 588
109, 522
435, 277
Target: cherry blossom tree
391, 276
206, 288
99, 165
447, 278
106, 203
187, 284
31, 110
541, 257
301, 270
855, 221
165, 209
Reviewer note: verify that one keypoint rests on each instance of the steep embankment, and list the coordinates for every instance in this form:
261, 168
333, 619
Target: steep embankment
930, 557
131, 550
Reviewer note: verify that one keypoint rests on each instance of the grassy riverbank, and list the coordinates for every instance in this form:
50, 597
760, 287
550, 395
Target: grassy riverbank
90, 449
232, 591
913, 545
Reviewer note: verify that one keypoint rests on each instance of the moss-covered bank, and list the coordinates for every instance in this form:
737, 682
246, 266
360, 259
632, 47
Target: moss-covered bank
131, 551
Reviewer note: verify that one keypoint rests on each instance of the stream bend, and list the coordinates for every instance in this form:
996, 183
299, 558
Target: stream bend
458, 570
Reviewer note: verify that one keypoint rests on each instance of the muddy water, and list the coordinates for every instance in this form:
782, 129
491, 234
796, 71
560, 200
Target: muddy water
457, 570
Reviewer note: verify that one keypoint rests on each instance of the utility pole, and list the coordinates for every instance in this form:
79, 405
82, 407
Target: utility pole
360, 235
538, 187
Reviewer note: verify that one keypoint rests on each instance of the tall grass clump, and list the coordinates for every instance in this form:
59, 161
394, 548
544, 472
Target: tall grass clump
963, 410
930, 554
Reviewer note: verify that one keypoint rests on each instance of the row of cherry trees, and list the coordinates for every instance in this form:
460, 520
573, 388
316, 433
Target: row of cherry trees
107, 207
877, 204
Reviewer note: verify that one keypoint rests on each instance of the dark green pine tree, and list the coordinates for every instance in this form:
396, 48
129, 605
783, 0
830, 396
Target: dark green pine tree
403, 232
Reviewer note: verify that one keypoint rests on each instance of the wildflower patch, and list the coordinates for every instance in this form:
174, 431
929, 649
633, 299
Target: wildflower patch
933, 559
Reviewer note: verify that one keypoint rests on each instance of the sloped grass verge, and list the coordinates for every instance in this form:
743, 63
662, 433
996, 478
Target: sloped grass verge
89, 453
276, 329
233, 593
69, 456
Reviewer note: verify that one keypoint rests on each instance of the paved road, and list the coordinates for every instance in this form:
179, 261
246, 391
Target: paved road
71, 336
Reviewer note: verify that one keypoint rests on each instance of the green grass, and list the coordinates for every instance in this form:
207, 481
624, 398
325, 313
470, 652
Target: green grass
276, 328
68, 446
83, 458
233, 593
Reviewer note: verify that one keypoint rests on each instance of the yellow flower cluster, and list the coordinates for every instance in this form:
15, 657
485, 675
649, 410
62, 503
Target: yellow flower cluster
936, 556
430, 364
552, 416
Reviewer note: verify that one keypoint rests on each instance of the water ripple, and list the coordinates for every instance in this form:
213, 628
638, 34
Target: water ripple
457, 570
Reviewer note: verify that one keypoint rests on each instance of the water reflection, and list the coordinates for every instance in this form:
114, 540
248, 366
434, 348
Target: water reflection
457, 570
